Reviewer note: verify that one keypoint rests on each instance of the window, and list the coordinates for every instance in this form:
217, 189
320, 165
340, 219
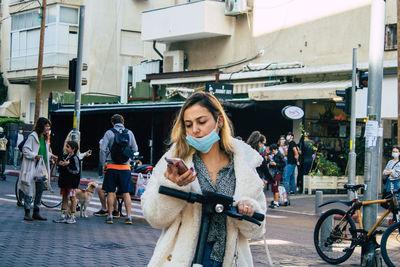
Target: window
390, 37
131, 43
31, 19
68, 15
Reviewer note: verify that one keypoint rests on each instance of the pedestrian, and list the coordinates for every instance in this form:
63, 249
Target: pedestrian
69, 168
308, 153
276, 166
217, 162
117, 149
17, 139
3, 153
100, 165
292, 162
257, 141
392, 172
36, 147
103, 211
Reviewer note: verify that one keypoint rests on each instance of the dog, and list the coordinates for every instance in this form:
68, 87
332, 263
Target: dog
83, 197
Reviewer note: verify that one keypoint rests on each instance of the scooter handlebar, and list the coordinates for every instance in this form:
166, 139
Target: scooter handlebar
193, 197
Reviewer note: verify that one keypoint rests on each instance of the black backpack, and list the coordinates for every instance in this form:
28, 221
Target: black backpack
21, 145
120, 152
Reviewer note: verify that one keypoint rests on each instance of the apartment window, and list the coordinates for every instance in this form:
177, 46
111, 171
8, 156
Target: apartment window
68, 15
390, 37
131, 43
31, 19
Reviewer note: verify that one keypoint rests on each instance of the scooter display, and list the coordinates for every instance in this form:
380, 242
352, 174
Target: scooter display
212, 203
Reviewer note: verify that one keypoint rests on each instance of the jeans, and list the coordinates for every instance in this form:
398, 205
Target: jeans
17, 158
207, 262
3, 158
38, 197
288, 179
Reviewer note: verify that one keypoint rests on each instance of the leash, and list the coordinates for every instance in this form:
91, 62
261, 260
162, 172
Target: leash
270, 262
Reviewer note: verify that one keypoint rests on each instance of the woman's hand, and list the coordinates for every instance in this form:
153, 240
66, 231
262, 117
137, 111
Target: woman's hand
172, 174
38, 156
245, 207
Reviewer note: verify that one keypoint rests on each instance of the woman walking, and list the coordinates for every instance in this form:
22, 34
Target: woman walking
36, 147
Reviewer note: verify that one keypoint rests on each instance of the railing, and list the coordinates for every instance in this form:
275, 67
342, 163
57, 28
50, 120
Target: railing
31, 62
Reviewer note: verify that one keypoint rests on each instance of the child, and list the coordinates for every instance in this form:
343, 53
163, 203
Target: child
69, 177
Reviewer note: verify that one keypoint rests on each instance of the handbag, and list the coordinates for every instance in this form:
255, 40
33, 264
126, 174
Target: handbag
385, 177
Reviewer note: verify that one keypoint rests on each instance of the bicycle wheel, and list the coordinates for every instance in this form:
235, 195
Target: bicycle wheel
18, 194
333, 237
390, 245
51, 197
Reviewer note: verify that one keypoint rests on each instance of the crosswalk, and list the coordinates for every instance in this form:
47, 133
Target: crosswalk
94, 205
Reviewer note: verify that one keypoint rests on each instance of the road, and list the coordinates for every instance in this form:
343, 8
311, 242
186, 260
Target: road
91, 242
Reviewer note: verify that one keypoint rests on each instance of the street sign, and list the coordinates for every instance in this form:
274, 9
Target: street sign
292, 113
220, 90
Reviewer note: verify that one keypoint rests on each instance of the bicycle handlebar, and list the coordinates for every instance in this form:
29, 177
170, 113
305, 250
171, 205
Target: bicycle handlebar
230, 211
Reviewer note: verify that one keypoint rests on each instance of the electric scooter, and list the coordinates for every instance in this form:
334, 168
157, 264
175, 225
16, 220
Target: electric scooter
212, 203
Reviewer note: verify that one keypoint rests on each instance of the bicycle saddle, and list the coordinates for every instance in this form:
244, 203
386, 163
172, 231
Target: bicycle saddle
354, 186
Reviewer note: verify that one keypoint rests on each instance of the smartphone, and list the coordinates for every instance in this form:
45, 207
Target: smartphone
182, 168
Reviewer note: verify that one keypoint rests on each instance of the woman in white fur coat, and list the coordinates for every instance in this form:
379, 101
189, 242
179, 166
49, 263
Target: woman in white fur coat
37, 146
202, 137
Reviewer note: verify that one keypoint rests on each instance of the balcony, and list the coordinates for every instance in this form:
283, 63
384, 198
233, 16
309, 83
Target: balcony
24, 69
189, 21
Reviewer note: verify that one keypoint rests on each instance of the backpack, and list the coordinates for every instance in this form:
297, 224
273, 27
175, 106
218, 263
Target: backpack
3, 143
120, 152
21, 145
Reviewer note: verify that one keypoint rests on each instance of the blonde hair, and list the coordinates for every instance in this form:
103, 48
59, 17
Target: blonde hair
212, 104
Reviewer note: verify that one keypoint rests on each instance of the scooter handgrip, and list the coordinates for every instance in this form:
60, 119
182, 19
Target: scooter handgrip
189, 197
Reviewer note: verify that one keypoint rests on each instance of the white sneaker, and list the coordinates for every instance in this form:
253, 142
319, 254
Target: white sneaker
61, 219
71, 220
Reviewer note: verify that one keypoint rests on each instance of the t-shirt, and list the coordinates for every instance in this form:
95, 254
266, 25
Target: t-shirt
307, 151
42, 149
290, 155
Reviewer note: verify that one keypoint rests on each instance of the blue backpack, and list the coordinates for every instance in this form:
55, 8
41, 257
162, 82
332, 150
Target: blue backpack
120, 152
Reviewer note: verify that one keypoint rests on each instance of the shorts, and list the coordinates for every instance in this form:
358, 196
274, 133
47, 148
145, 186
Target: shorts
274, 188
68, 192
117, 178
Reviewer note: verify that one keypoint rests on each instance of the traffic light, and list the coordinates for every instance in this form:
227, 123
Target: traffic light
362, 79
346, 103
72, 74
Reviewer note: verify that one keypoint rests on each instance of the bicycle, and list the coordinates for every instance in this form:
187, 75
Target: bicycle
51, 194
336, 235
212, 203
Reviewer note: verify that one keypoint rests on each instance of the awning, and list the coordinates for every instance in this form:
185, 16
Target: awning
10, 109
297, 91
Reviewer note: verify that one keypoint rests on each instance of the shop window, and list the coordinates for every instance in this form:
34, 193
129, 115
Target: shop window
390, 37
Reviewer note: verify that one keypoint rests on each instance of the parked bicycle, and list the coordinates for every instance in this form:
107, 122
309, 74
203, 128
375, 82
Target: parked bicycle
336, 234
212, 203
51, 195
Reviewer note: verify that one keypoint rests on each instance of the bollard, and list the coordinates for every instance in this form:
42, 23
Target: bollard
319, 199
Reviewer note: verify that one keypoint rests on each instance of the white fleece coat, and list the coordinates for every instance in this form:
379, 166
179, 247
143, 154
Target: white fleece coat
30, 150
181, 220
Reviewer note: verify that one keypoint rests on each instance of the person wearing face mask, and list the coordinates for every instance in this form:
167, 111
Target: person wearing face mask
36, 147
217, 162
392, 171
17, 139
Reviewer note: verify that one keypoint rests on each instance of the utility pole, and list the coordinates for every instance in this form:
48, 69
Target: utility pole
78, 81
372, 148
352, 153
398, 72
40, 60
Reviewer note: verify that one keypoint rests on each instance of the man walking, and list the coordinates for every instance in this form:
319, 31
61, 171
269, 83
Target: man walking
117, 149
293, 161
3, 152
17, 139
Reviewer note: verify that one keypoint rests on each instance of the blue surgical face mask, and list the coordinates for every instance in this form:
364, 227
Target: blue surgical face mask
288, 138
395, 155
263, 149
203, 144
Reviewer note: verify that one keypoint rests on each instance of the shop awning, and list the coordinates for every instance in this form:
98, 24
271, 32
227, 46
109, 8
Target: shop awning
10, 109
297, 91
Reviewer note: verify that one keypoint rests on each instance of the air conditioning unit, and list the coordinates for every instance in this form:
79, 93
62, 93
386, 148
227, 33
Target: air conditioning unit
235, 7
173, 61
